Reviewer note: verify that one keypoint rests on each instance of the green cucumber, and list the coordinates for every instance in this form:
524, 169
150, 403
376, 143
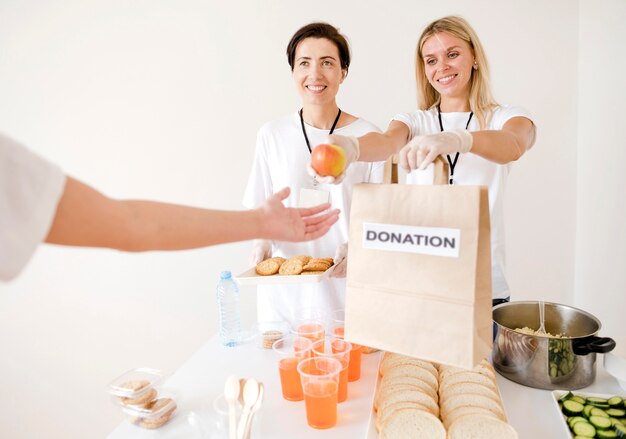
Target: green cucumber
572, 408
600, 422
616, 402
616, 413
606, 434
620, 430
584, 429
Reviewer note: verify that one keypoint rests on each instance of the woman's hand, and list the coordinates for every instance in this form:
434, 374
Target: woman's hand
350, 146
261, 250
339, 269
421, 151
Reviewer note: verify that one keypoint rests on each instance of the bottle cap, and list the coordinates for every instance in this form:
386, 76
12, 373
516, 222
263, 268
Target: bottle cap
225, 275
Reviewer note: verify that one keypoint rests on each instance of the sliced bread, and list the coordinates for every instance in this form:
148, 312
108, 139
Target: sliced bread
480, 427
409, 423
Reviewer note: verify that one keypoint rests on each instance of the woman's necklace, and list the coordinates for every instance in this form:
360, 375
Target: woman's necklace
456, 157
306, 138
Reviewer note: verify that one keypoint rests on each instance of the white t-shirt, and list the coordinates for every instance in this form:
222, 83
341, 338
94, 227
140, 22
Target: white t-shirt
280, 160
30, 189
472, 170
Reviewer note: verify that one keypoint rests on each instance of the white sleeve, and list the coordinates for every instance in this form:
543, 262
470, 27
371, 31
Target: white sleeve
409, 120
30, 189
259, 186
506, 112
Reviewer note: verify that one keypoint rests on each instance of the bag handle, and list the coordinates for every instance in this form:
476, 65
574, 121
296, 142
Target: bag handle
441, 173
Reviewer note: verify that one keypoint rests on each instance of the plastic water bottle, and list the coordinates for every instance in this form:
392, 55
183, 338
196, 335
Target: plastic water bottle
228, 308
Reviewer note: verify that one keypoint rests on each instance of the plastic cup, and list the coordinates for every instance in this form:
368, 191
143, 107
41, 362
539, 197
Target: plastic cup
338, 349
291, 350
354, 370
320, 382
309, 328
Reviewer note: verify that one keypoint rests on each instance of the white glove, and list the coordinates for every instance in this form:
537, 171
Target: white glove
350, 146
422, 150
261, 250
341, 261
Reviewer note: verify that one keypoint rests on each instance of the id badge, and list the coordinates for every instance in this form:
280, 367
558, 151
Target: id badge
313, 197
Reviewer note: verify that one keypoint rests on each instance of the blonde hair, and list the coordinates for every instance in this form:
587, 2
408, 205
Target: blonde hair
481, 100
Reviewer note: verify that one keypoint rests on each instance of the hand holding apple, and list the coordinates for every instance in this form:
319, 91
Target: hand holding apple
327, 167
328, 160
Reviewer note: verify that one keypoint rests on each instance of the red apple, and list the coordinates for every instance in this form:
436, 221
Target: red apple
328, 160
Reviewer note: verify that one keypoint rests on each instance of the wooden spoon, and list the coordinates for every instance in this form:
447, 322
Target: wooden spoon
250, 397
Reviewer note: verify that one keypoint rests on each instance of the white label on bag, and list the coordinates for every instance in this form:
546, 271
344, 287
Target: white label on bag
436, 241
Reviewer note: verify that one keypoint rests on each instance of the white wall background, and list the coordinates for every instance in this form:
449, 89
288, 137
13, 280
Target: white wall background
161, 99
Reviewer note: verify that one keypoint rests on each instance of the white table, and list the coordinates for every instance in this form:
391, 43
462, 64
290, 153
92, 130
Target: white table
531, 411
202, 378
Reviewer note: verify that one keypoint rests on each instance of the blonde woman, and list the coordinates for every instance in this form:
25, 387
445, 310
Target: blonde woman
459, 119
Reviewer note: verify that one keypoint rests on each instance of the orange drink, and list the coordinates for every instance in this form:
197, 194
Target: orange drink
320, 400
320, 382
354, 370
311, 329
291, 350
340, 350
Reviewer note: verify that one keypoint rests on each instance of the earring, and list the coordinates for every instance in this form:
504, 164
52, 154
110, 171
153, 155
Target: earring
475, 66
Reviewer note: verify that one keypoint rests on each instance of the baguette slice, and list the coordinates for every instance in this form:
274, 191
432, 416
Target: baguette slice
480, 427
467, 387
382, 415
408, 423
396, 380
469, 399
390, 362
468, 410
409, 395
415, 371
469, 377
388, 390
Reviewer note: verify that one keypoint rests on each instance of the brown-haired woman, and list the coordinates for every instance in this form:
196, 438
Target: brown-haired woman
319, 57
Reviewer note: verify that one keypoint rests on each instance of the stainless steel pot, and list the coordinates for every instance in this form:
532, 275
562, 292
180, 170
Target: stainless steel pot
541, 361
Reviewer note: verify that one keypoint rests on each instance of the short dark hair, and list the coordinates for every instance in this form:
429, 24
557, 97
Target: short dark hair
320, 30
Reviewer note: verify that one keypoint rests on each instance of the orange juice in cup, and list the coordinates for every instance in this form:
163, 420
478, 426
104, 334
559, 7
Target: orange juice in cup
354, 370
311, 329
291, 350
320, 382
340, 350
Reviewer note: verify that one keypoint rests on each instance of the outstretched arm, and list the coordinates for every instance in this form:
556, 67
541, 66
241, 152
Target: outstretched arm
86, 217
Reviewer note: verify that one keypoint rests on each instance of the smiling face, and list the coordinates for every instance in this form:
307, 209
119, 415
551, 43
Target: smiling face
448, 62
317, 71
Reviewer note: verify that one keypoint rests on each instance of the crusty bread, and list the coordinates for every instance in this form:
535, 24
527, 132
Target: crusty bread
416, 381
411, 370
468, 377
468, 399
389, 362
382, 415
387, 390
480, 427
466, 387
410, 395
468, 410
412, 424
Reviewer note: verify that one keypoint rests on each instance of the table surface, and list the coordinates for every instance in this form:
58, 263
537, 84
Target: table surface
532, 412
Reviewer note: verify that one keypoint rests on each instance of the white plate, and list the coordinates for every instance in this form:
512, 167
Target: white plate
250, 277
556, 395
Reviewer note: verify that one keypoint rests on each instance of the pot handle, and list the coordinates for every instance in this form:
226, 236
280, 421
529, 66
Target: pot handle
599, 345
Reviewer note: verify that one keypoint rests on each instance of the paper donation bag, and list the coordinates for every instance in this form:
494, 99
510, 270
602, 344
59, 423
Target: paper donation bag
419, 269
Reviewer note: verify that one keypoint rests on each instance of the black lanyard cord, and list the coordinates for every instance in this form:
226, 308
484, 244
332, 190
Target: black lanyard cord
456, 157
306, 138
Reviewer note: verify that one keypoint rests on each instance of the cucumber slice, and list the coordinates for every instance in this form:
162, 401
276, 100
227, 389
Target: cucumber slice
579, 399
616, 402
566, 396
584, 429
574, 419
572, 408
587, 410
600, 422
620, 430
616, 413
606, 434
594, 400
598, 412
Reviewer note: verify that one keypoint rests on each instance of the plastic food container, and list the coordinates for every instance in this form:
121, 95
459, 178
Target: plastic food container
154, 414
266, 333
138, 394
